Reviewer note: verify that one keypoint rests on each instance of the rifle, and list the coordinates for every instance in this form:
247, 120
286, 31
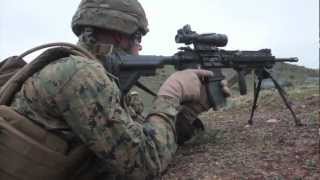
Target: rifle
205, 54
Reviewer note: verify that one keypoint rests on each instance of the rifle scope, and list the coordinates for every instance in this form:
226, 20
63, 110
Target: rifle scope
187, 36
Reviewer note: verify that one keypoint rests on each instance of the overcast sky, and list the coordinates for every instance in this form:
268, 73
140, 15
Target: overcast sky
289, 27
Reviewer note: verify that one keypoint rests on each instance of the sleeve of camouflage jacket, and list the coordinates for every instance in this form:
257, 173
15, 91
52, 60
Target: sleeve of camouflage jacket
90, 103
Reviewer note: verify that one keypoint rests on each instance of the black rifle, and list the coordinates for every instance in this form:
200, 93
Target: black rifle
205, 54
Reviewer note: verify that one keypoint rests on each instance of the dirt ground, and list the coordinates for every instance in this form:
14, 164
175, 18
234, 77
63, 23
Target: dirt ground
273, 148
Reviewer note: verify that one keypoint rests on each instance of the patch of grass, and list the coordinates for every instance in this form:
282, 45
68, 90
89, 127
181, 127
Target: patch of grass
266, 97
311, 164
209, 136
313, 117
299, 93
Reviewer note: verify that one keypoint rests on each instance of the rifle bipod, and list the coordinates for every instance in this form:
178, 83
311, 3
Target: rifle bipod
264, 74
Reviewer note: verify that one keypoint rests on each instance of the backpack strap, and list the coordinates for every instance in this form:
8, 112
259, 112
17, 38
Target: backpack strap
11, 63
13, 85
9, 67
59, 50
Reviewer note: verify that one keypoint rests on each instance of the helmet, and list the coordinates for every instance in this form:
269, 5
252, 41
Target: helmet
126, 16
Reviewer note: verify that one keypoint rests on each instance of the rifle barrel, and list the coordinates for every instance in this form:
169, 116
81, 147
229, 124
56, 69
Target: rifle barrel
143, 61
293, 59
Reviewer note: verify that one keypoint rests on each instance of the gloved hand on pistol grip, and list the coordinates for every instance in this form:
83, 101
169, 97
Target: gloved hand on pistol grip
186, 87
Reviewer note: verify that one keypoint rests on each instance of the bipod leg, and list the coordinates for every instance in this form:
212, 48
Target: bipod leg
254, 105
282, 94
254, 84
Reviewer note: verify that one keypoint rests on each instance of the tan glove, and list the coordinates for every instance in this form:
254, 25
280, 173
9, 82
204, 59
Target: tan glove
186, 87
225, 88
196, 109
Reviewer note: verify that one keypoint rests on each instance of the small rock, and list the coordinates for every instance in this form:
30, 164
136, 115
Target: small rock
272, 121
303, 106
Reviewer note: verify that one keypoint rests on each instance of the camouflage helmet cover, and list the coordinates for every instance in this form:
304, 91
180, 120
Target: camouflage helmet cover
126, 16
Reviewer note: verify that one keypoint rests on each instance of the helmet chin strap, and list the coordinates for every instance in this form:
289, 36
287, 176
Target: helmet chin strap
102, 49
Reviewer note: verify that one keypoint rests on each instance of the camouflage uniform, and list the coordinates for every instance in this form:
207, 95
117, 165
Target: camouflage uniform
75, 98
135, 106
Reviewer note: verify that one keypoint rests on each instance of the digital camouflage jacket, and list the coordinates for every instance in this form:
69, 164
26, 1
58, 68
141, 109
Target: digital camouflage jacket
76, 99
